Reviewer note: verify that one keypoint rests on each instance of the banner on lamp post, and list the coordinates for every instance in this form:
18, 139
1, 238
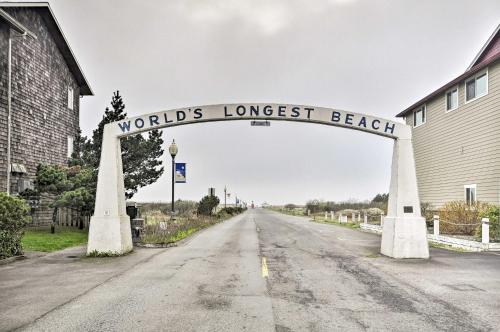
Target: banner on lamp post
180, 172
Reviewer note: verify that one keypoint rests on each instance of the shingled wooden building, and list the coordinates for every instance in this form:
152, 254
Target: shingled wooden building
40, 88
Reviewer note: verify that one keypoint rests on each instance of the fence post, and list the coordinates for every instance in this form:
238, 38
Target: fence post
332, 215
353, 218
436, 225
485, 230
326, 215
365, 219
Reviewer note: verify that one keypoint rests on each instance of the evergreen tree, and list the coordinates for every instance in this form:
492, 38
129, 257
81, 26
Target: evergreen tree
82, 151
140, 156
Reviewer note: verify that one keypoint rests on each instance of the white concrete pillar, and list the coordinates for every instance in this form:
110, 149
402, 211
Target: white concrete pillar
332, 215
404, 234
485, 230
109, 230
436, 225
365, 219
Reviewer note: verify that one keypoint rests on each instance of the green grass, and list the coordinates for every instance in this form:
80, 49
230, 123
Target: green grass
183, 234
289, 212
43, 240
167, 239
330, 222
447, 247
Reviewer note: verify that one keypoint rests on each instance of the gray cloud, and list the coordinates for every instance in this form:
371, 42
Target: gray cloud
374, 57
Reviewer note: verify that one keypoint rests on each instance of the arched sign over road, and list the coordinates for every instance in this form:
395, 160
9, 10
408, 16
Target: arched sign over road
404, 231
286, 112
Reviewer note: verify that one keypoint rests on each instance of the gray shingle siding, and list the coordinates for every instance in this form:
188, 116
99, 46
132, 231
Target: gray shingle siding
3, 104
41, 120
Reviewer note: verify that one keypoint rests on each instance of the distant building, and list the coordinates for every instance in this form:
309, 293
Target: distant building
456, 133
41, 96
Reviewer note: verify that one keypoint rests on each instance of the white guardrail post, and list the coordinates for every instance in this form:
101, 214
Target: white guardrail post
436, 225
485, 230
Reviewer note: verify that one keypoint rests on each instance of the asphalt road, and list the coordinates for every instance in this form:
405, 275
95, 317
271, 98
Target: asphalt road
263, 271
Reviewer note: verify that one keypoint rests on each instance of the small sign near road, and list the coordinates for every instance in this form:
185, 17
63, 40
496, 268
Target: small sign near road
260, 123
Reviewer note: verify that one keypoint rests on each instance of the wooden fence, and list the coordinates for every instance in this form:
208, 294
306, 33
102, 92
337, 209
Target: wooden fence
42, 216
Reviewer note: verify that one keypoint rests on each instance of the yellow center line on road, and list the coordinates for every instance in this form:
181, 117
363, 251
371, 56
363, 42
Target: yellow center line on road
265, 271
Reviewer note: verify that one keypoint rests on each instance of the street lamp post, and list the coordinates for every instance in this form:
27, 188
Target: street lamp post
173, 152
225, 195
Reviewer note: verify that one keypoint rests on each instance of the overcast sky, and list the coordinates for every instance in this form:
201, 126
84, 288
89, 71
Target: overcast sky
374, 57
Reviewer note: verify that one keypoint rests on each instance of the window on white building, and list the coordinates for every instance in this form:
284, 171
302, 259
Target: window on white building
452, 99
476, 86
71, 141
71, 98
470, 193
419, 116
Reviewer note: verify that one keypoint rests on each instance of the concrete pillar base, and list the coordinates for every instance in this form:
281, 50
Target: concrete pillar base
110, 235
404, 237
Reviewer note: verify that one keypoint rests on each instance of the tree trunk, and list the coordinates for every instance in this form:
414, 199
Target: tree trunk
54, 217
80, 219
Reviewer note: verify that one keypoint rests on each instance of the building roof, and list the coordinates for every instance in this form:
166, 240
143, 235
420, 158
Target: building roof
489, 53
43, 8
15, 25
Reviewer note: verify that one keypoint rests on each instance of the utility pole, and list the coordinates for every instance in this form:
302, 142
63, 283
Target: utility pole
225, 195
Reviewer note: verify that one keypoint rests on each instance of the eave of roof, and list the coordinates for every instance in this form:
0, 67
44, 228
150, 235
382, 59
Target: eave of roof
61, 42
470, 71
15, 25
485, 46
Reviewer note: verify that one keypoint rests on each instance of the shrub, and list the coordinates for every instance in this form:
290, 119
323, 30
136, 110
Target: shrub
13, 217
222, 215
174, 231
491, 212
427, 212
458, 217
207, 205
230, 210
